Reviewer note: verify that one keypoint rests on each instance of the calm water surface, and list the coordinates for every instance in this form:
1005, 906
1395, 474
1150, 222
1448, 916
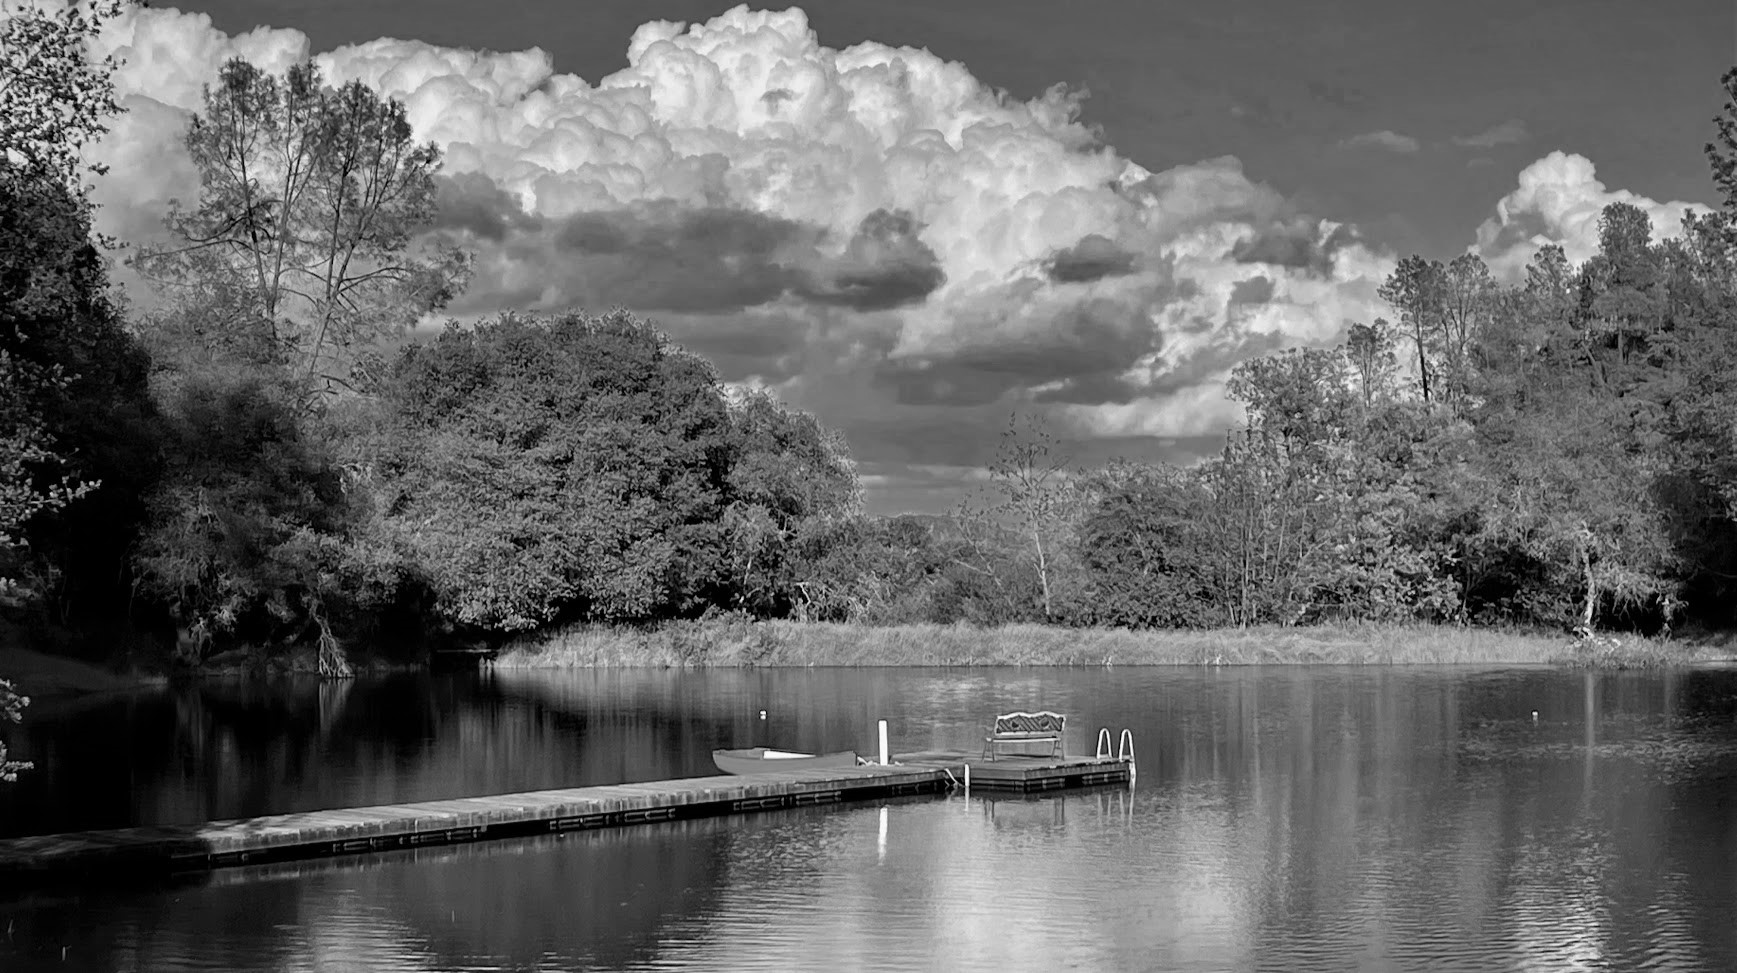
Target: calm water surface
1282, 819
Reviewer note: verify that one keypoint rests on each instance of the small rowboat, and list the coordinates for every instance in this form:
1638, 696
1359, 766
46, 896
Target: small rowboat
760, 760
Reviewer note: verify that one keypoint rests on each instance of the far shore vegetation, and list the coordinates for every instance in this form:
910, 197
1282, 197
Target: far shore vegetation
786, 643
246, 471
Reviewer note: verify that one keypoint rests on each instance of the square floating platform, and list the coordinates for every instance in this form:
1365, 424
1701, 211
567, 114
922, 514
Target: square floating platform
1022, 773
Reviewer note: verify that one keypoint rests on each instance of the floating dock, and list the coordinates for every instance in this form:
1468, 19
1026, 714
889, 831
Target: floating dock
1008, 772
312, 834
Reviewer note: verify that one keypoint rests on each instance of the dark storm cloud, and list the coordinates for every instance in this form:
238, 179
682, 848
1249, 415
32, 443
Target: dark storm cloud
1094, 257
774, 346
1295, 243
1084, 348
471, 201
960, 436
661, 258
720, 260
947, 385
1254, 290
883, 266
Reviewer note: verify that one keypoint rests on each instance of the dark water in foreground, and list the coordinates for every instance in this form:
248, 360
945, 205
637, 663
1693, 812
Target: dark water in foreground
1283, 819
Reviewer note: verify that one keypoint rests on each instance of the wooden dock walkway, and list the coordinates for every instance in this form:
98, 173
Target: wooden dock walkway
308, 834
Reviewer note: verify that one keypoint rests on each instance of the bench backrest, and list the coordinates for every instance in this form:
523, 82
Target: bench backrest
1044, 722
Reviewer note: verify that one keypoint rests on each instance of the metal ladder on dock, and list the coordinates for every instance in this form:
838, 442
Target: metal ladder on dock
1124, 749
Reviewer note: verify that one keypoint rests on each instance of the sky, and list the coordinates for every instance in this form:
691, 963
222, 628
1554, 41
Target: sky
917, 219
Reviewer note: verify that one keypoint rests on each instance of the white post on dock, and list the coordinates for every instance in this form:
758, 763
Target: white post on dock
967, 780
883, 743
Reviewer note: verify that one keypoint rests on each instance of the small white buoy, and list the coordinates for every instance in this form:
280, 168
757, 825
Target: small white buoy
1534, 716
763, 714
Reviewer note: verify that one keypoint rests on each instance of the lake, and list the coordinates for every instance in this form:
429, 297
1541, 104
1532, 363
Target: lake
1282, 819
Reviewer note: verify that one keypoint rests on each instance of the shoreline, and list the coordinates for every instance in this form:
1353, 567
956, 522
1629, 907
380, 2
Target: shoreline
786, 644
778, 643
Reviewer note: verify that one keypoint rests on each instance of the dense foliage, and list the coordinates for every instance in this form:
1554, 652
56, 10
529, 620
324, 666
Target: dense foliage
1564, 464
74, 413
580, 467
11, 711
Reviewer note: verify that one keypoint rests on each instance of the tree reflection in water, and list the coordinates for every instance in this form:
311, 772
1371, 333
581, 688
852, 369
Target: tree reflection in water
1284, 819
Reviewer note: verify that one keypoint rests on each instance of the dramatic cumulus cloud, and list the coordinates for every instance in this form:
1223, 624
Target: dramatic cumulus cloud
1383, 139
1511, 131
871, 232
1559, 200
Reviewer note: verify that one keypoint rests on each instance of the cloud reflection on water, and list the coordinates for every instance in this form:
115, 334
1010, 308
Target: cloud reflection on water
1284, 819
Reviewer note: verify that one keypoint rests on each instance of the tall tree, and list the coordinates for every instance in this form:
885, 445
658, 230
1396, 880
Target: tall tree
1037, 501
1303, 397
1370, 350
1623, 290
1415, 290
785, 469
309, 225
1549, 290
1468, 297
1263, 523
1700, 418
1148, 561
1722, 153
1573, 496
252, 538
567, 467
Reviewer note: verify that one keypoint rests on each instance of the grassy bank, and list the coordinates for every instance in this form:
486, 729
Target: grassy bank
781, 643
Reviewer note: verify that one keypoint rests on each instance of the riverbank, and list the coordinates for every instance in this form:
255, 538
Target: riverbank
38, 674
785, 643
44, 676
736, 643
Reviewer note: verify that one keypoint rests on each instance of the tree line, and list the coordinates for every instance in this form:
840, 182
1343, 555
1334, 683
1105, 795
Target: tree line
261, 457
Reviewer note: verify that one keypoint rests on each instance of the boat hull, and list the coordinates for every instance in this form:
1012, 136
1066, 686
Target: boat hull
762, 760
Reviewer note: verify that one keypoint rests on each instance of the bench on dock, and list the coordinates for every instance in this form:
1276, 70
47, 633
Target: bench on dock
1026, 728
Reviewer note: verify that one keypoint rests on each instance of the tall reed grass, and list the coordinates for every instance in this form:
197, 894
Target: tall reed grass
786, 643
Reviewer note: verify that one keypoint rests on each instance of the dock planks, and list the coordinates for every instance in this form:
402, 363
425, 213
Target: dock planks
308, 834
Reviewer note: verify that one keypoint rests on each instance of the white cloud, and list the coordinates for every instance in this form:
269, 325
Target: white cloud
1039, 265
1383, 139
1558, 200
